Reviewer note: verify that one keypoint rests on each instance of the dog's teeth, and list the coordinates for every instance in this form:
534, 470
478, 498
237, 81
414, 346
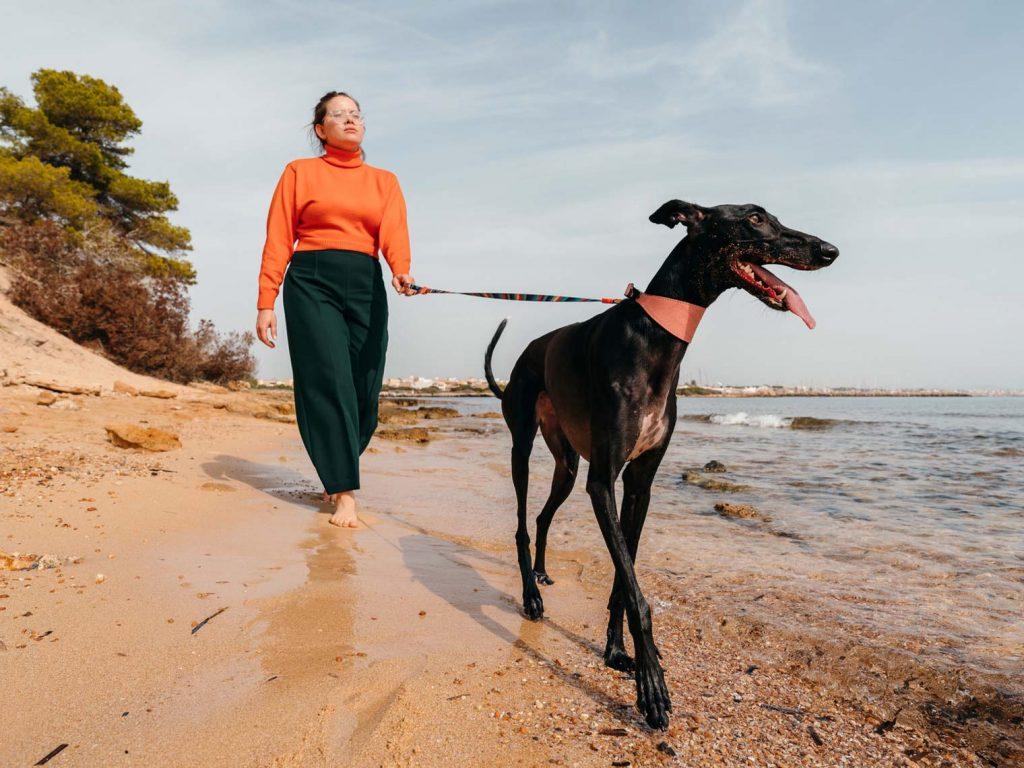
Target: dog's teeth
782, 295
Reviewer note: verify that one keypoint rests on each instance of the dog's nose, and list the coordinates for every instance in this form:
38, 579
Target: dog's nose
828, 252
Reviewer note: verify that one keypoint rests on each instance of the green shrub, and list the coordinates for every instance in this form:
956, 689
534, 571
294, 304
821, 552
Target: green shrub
88, 289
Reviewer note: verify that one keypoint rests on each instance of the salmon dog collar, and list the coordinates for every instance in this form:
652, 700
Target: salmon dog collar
680, 318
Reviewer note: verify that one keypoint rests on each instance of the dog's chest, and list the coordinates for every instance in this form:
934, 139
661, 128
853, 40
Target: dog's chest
653, 427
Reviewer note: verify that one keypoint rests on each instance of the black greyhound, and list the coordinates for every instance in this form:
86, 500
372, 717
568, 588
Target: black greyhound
605, 389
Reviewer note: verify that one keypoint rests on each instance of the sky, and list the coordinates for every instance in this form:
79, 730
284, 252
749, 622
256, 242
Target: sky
532, 141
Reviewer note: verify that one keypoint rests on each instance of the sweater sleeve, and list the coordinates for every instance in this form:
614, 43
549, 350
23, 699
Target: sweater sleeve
277, 250
394, 233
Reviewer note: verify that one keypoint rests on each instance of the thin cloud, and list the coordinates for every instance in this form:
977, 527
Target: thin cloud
748, 60
751, 59
394, 22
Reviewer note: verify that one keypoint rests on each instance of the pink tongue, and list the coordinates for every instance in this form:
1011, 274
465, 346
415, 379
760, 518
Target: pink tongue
796, 305
792, 302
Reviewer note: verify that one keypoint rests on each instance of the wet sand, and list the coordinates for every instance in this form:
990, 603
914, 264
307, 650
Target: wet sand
398, 644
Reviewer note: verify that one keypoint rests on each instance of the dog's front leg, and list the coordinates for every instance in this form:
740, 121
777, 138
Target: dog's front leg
636, 498
652, 697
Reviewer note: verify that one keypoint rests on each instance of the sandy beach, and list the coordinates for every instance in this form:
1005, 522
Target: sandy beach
398, 644
172, 594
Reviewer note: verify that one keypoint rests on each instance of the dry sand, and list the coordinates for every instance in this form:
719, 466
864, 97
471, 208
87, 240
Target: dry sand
400, 644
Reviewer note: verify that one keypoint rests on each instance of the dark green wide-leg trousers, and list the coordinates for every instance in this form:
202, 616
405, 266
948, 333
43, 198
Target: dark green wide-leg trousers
336, 315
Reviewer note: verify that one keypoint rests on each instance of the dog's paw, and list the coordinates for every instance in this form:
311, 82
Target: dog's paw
533, 607
543, 578
652, 697
620, 660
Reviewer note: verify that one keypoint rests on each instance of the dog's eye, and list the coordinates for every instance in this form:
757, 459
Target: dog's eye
755, 218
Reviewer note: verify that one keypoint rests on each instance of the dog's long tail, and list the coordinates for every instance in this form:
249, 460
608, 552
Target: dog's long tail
487, 360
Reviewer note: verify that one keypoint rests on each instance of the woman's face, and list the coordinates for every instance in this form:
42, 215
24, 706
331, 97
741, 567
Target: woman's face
342, 126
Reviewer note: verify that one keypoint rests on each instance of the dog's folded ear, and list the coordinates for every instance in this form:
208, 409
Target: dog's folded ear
678, 211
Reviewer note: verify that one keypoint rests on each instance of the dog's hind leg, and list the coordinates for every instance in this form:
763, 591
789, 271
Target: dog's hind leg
567, 463
519, 407
636, 497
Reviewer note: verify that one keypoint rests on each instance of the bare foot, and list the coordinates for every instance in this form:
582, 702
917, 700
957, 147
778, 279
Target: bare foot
344, 510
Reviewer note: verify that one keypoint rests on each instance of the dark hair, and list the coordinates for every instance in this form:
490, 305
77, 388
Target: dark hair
320, 111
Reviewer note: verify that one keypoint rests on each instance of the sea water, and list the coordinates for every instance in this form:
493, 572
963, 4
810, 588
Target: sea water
893, 516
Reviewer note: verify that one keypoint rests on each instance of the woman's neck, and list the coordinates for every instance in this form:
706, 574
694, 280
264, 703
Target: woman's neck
343, 158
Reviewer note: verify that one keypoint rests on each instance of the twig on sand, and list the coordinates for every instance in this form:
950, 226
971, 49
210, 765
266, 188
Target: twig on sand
60, 748
814, 735
798, 713
213, 615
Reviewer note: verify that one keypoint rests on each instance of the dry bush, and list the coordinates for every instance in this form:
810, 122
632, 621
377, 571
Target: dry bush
89, 289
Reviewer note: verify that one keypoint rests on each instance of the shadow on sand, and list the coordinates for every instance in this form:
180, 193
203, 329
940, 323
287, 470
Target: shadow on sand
277, 480
463, 587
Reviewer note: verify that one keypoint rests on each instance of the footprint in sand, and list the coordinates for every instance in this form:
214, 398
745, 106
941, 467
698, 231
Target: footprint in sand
220, 487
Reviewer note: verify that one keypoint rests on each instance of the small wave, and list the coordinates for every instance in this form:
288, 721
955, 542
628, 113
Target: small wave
763, 421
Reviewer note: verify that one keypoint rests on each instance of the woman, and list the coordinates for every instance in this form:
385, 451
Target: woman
342, 212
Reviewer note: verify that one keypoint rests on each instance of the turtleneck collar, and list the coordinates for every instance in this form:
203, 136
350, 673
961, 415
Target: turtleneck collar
342, 158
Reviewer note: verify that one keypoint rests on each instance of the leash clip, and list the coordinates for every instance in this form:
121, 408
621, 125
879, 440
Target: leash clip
631, 292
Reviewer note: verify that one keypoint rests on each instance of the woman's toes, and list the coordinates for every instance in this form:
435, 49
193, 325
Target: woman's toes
344, 520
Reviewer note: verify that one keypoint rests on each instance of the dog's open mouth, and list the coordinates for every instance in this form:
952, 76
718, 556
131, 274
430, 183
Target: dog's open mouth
762, 284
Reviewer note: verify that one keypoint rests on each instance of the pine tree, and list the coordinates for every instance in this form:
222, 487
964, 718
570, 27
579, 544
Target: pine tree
65, 160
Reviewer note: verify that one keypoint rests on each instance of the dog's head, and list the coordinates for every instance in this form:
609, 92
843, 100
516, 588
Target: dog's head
734, 242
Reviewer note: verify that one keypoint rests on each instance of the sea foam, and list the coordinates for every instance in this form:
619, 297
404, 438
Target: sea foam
764, 421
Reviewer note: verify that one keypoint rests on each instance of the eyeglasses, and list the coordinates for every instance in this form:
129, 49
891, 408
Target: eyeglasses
342, 114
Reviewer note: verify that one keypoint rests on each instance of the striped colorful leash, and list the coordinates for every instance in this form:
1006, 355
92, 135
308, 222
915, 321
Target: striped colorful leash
630, 290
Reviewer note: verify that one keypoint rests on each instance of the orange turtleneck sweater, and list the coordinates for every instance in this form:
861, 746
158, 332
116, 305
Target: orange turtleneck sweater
333, 201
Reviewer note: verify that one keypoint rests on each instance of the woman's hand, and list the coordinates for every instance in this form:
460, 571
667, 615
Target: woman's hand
266, 327
403, 284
